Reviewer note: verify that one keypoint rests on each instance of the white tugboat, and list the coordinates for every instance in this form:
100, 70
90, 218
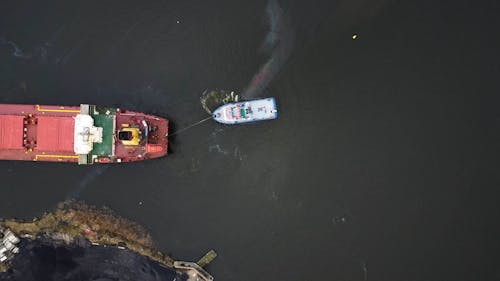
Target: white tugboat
246, 111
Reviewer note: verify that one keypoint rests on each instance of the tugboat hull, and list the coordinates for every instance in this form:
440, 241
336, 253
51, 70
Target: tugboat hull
246, 111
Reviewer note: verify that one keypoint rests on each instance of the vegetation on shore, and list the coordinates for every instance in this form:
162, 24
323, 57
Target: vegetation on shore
102, 226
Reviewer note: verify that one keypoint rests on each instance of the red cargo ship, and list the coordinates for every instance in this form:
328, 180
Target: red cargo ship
85, 134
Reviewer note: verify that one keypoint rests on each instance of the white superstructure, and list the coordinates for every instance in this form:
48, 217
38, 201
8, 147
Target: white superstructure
85, 134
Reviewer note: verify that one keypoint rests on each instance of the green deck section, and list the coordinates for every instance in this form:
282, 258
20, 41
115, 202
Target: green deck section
106, 122
103, 110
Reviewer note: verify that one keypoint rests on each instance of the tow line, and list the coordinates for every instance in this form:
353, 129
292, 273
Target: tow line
188, 127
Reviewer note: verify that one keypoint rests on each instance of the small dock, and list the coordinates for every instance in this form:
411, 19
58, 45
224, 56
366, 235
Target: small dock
195, 270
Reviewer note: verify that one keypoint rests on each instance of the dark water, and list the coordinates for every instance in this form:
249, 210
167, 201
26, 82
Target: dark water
383, 164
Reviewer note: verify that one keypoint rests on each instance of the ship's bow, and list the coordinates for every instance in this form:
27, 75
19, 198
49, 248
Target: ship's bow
157, 140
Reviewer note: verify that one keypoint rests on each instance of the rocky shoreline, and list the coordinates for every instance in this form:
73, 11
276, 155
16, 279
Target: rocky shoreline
46, 258
99, 226
78, 225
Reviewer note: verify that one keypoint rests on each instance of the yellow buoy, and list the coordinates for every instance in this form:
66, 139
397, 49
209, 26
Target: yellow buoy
354, 36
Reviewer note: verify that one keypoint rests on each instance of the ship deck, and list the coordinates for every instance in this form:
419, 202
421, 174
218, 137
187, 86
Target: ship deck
30, 133
105, 148
47, 133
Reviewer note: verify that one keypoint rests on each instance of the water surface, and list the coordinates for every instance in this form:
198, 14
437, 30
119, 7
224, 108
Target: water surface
381, 166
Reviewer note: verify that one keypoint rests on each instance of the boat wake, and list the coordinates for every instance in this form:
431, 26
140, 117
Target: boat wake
211, 100
46, 53
16, 51
278, 43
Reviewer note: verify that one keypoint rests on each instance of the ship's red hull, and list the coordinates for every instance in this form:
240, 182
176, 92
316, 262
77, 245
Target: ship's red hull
47, 133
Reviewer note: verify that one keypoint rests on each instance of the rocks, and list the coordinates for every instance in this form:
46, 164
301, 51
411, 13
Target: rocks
8, 245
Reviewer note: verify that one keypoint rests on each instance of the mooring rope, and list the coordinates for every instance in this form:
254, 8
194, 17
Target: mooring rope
190, 126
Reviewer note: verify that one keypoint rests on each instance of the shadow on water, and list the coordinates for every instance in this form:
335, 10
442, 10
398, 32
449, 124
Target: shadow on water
96, 171
172, 127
